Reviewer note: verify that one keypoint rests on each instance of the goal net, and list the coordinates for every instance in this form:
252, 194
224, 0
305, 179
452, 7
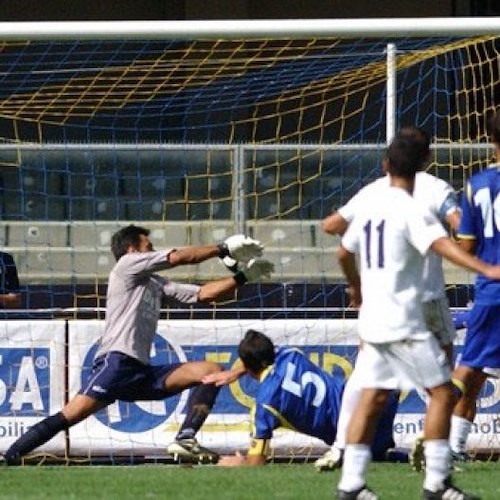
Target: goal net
197, 137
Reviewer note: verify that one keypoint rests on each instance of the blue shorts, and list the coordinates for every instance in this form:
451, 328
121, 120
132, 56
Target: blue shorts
118, 376
482, 340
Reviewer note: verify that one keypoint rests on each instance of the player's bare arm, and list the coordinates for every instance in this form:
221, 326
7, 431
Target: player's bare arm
456, 254
239, 247
257, 455
347, 262
469, 245
225, 377
254, 270
334, 224
222, 289
192, 255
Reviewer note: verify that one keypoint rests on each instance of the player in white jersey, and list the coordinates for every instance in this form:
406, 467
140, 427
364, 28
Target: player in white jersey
438, 197
388, 239
122, 369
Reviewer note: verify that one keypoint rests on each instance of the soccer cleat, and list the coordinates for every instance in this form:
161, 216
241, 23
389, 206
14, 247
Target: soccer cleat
362, 493
331, 460
448, 492
10, 459
417, 457
189, 450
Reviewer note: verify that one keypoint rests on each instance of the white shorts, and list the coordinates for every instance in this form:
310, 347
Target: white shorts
438, 320
404, 365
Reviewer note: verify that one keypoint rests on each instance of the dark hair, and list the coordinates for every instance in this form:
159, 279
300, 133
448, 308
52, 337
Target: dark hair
126, 237
494, 128
256, 351
421, 139
404, 157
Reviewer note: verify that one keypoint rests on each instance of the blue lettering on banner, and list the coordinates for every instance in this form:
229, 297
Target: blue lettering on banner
139, 416
24, 382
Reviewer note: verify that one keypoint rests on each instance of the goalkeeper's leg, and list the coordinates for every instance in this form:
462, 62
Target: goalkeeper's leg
199, 404
76, 410
37, 435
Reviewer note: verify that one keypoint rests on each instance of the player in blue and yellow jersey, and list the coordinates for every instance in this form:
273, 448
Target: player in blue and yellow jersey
479, 234
293, 393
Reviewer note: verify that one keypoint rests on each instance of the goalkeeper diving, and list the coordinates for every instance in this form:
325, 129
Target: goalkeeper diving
121, 368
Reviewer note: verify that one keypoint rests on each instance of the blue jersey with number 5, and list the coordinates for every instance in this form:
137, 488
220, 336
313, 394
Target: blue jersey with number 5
481, 222
297, 394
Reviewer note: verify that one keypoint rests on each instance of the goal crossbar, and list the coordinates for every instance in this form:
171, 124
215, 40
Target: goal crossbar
249, 28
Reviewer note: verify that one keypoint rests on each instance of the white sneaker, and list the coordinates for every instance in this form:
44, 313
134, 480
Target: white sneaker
331, 460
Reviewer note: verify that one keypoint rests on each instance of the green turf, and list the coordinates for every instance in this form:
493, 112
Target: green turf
298, 481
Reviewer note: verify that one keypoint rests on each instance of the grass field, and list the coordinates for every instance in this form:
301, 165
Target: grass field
297, 481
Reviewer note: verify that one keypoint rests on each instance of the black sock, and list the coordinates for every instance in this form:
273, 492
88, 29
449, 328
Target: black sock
200, 402
37, 435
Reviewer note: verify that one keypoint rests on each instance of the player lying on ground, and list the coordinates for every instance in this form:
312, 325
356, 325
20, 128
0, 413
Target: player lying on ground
122, 369
293, 393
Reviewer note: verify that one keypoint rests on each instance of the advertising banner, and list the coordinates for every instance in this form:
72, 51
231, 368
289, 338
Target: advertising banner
145, 428
32, 378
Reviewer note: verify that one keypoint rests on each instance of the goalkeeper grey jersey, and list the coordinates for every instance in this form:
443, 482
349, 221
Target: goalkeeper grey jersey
133, 303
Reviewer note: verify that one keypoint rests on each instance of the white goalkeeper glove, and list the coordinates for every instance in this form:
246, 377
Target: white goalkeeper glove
231, 264
240, 247
255, 270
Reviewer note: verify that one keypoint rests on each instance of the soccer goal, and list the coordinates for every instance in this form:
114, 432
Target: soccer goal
196, 130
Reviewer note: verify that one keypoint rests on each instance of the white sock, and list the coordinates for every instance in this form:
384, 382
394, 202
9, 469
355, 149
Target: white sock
459, 431
437, 463
357, 457
350, 398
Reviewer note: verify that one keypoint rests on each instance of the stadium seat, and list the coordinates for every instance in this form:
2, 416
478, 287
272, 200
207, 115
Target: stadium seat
210, 232
38, 233
92, 234
168, 234
282, 233
296, 263
38, 265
